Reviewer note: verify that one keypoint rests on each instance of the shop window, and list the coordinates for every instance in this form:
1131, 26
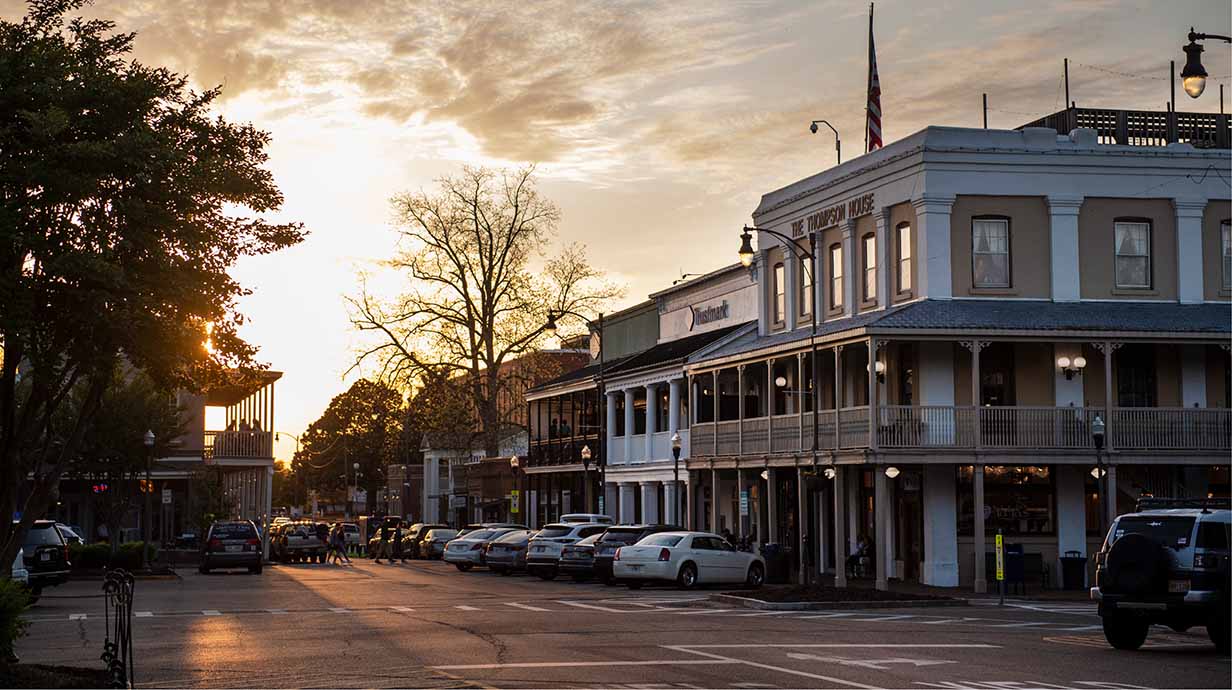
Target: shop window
806, 287
870, 267
1018, 500
904, 257
836, 276
1133, 254
780, 296
704, 385
990, 253
1135, 376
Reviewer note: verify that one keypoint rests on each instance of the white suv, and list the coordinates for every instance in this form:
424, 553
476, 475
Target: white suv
543, 551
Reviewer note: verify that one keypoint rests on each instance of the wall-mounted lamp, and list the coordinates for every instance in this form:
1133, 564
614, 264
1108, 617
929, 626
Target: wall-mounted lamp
829, 473
892, 472
1069, 367
765, 475
1097, 472
879, 366
781, 381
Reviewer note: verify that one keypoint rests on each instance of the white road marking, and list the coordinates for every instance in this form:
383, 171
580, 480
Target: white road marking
466, 608
526, 607
605, 609
1083, 628
402, 609
569, 664
211, 612
840, 645
77, 616
701, 612
763, 613
340, 609
875, 664
144, 614
277, 612
789, 671
826, 615
879, 619
1022, 625
943, 621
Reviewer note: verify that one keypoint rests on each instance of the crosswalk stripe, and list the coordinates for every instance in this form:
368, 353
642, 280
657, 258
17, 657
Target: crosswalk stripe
211, 612
526, 607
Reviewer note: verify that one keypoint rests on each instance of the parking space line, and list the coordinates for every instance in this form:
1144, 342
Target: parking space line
144, 614
701, 612
77, 616
466, 608
826, 615
879, 619
402, 609
1083, 628
525, 607
340, 609
763, 613
277, 612
789, 671
1022, 625
211, 612
843, 645
572, 664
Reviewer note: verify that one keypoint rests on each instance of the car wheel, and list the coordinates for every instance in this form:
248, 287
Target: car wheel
546, 574
255, 570
463, 567
634, 585
757, 575
1218, 630
579, 577
1125, 632
687, 578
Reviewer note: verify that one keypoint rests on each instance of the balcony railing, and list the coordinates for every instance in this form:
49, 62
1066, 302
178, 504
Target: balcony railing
964, 427
565, 450
1143, 127
239, 444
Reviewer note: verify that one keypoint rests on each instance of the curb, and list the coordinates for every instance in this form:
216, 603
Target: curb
750, 603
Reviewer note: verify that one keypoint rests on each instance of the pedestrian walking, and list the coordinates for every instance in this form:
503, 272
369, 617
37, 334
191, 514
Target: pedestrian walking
398, 552
338, 543
382, 549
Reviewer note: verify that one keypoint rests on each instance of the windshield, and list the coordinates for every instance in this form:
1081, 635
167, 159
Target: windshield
442, 534
481, 534
661, 540
39, 535
588, 541
554, 531
515, 536
237, 530
1166, 530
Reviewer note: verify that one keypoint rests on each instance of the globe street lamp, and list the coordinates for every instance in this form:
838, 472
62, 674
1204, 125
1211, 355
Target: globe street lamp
1193, 75
148, 440
676, 473
586, 474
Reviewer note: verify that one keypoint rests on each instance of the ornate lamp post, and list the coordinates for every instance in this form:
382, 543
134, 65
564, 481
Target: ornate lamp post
1193, 75
1097, 436
148, 440
586, 475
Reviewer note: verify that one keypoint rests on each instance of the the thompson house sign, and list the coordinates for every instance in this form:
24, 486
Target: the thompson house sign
830, 216
704, 315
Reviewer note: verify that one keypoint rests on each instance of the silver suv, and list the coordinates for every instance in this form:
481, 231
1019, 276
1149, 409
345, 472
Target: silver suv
1166, 564
543, 551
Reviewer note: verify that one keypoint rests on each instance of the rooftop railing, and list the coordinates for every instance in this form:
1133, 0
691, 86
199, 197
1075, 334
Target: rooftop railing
1143, 127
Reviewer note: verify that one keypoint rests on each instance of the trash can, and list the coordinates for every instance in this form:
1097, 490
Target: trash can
776, 564
1073, 570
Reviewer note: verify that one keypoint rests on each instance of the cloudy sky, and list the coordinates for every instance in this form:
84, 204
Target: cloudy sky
656, 125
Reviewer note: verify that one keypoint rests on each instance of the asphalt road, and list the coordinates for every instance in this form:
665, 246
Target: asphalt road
427, 625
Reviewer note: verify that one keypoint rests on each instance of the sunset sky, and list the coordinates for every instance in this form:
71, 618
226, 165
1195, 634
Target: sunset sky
656, 125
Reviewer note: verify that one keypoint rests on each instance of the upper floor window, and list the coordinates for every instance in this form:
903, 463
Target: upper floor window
780, 295
904, 257
990, 253
1225, 239
1133, 254
806, 287
836, 276
870, 267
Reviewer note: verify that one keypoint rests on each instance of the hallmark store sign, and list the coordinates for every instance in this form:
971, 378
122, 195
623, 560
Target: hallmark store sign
704, 315
830, 216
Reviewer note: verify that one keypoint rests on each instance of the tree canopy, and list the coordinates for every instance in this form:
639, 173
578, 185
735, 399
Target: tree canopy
123, 203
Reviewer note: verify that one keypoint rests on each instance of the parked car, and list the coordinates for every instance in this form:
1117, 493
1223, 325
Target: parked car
231, 544
350, 532
544, 551
687, 558
578, 560
618, 536
507, 553
46, 556
412, 537
1166, 564
298, 541
374, 542
70, 533
488, 525
432, 545
468, 550
571, 518
20, 574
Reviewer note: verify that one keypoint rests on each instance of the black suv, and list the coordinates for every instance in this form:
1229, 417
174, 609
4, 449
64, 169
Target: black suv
46, 556
616, 537
1166, 564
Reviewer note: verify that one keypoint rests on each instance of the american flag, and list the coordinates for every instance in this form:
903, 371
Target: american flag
872, 133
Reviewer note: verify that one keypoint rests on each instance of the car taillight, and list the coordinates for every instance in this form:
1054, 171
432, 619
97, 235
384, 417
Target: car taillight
215, 545
616, 556
477, 547
665, 554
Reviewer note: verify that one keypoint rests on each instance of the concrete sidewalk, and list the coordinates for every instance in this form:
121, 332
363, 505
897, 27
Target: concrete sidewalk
1032, 592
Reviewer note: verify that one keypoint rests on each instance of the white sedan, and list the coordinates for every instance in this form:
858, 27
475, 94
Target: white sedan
688, 558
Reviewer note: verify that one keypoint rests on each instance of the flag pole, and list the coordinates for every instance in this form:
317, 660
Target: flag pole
868, 81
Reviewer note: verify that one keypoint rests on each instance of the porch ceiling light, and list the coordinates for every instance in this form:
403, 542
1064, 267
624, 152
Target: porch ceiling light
1097, 472
780, 381
1069, 367
765, 475
148, 439
746, 248
892, 472
829, 473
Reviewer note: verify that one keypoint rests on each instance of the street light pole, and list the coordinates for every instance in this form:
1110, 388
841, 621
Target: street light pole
1193, 74
550, 328
148, 440
1097, 436
586, 475
676, 474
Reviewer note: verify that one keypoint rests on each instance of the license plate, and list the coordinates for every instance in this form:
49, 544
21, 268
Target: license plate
540, 548
232, 548
1178, 586
44, 556
635, 567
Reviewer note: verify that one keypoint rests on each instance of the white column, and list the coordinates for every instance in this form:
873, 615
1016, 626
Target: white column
940, 527
1189, 249
673, 405
881, 523
977, 484
628, 424
714, 500
884, 269
936, 386
772, 507
652, 419
1063, 236
1071, 514
839, 484
763, 290
850, 298
268, 502
669, 500
932, 214
628, 503
791, 276
611, 422
1193, 375
431, 488
650, 502
611, 499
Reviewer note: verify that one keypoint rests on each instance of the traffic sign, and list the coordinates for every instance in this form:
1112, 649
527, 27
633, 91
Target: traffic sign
514, 500
744, 503
1000, 558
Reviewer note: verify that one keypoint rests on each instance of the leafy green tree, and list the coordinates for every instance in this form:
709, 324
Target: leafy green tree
123, 203
361, 425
